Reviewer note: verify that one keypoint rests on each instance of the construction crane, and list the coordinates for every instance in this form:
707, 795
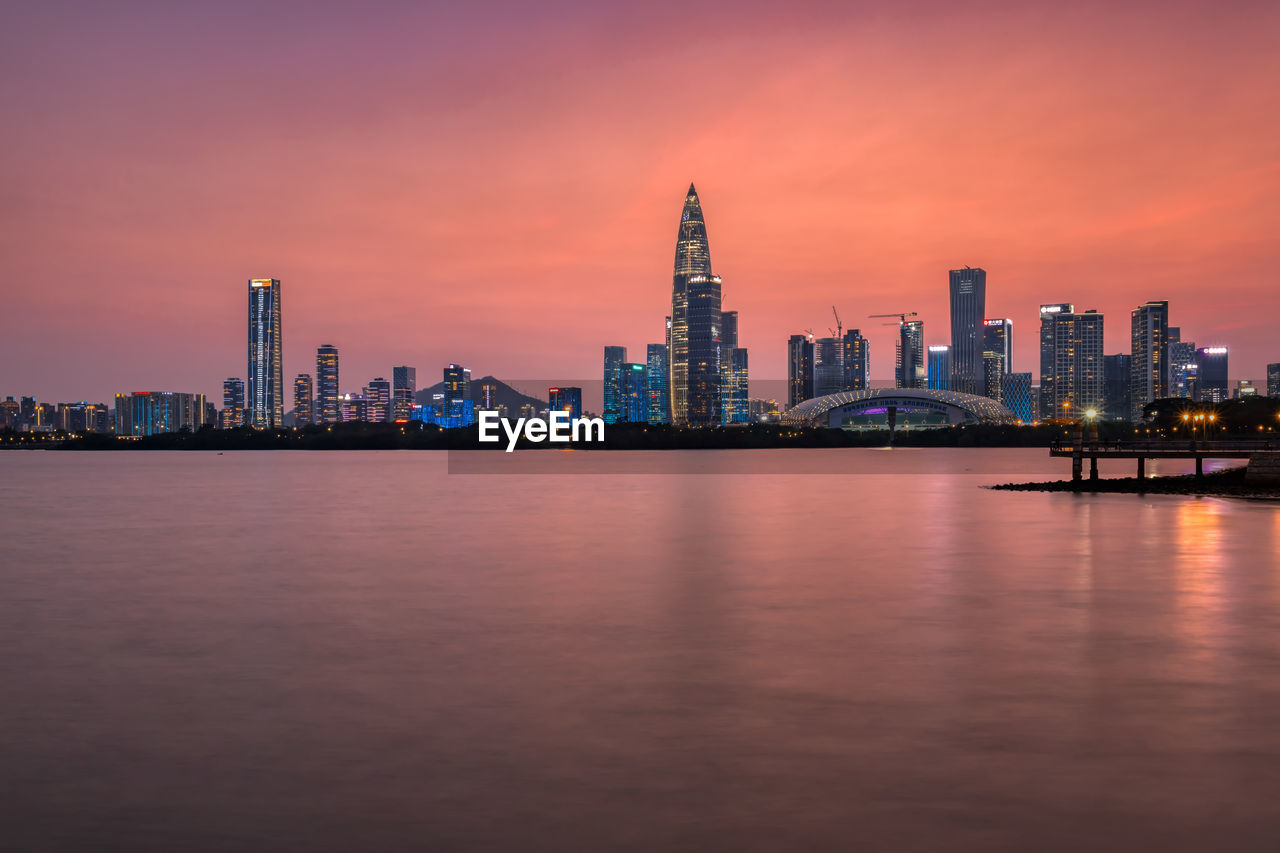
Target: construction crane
809, 333
901, 315
839, 329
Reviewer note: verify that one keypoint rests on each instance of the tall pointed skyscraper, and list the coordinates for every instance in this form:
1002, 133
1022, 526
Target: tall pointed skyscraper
695, 323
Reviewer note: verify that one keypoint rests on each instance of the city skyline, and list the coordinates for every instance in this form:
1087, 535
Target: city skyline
817, 143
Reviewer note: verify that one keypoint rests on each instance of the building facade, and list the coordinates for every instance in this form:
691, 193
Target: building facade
328, 409
264, 389
232, 403
1116, 370
1273, 380
1212, 383
910, 370
155, 412
694, 351
565, 399
615, 360
1149, 368
635, 402
657, 377
1070, 361
968, 308
304, 405
799, 370
404, 384
378, 392
828, 366
939, 371
857, 361
735, 395
1015, 393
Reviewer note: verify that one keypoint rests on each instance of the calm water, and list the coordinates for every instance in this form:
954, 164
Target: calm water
361, 651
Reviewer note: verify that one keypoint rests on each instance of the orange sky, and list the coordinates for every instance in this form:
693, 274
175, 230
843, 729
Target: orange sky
500, 185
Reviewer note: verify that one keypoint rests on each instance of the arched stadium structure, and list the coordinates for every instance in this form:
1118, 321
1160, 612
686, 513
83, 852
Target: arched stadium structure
878, 408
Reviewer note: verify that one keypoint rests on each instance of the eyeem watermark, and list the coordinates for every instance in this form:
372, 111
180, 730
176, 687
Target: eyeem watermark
557, 428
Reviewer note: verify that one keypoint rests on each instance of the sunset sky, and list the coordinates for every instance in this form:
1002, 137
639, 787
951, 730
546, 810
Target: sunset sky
500, 184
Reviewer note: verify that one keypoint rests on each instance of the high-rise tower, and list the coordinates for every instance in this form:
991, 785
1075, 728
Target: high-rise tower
968, 304
328, 409
265, 387
695, 323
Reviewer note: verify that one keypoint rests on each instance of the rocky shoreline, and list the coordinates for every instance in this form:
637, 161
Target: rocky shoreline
1229, 483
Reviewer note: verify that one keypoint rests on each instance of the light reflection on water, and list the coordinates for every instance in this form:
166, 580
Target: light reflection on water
336, 651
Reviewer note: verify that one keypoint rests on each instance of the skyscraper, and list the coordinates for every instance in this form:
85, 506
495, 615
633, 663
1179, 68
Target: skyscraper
1015, 393
997, 354
1070, 361
328, 408
614, 360
456, 408
657, 375
857, 361
939, 371
828, 366
1273, 380
265, 390
910, 368
565, 399
1116, 371
155, 412
232, 403
1212, 363
799, 370
404, 384
968, 307
304, 409
736, 392
378, 393
635, 402
1182, 357
1149, 370
695, 323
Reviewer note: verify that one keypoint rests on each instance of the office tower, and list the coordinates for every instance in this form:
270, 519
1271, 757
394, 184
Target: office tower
328, 408
735, 390
728, 329
265, 386
1070, 361
489, 396
968, 307
456, 408
404, 384
614, 360
1212, 374
939, 370
857, 361
232, 403
828, 366
910, 370
1116, 370
799, 370
1149, 370
155, 412
378, 393
695, 323
354, 407
997, 337
1016, 394
1273, 380
997, 354
635, 402
565, 399
10, 413
1182, 358
657, 375
1245, 388
304, 405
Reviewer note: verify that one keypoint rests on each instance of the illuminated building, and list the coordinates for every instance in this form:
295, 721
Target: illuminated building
1015, 394
404, 384
615, 359
328, 410
1070, 361
155, 412
997, 336
910, 370
264, 397
304, 407
457, 385
1182, 357
857, 361
1149, 370
939, 369
992, 374
565, 399
1116, 370
799, 370
828, 366
657, 377
83, 417
635, 403
763, 411
354, 407
489, 396
968, 307
10, 413
1212, 373
1244, 388
1273, 380
232, 403
694, 352
736, 387
378, 393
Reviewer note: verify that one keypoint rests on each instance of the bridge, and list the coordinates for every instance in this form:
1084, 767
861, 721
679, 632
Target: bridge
1079, 450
